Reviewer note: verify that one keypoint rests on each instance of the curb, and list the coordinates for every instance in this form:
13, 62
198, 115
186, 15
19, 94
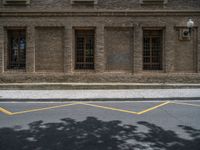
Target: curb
99, 99
76, 86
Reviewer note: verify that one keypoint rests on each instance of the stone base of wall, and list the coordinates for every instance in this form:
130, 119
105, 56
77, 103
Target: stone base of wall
101, 78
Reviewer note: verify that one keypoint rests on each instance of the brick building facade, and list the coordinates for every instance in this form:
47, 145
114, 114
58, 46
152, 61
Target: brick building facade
99, 41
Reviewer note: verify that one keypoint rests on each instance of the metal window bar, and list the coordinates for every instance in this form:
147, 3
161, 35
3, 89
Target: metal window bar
152, 50
16, 49
84, 49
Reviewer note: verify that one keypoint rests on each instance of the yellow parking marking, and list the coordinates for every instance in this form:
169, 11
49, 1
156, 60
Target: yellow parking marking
127, 111
187, 104
152, 108
34, 110
110, 108
5, 111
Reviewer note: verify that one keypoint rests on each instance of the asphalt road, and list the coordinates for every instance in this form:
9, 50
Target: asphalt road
150, 125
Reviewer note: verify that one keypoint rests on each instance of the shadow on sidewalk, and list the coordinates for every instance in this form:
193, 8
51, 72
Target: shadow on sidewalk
94, 134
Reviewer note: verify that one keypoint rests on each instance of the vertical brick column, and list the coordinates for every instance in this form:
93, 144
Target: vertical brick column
138, 48
99, 51
1, 49
169, 49
68, 49
198, 49
30, 50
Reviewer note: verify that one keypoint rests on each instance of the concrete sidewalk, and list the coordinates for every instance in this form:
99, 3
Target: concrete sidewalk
125, 94
92, 86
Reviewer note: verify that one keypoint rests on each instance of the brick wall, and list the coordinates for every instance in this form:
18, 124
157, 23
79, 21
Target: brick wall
118, 39
111, 4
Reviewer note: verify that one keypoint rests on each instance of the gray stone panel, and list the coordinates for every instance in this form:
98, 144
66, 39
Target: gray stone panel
49, 49
185, 54
118, 46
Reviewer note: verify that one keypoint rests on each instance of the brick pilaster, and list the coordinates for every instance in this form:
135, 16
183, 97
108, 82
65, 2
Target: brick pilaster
30, 50
137, 52
1, 49
99, 51
169, 49
68, 49
198, 49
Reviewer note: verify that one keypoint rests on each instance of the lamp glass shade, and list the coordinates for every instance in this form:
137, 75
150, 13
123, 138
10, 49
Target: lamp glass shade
190, 23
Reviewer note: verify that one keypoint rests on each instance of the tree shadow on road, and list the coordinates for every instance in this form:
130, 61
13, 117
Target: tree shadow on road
94, 134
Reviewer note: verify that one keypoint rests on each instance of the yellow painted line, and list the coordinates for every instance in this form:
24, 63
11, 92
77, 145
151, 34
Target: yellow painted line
41, 109
152, 108
34, 110
5, 111
127, 111
187, 104
76, 103
110, 108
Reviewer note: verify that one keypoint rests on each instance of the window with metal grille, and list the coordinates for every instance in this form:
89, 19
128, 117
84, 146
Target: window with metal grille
16, 2
16, 49
84, 49
153, 2
84, 2
152, 50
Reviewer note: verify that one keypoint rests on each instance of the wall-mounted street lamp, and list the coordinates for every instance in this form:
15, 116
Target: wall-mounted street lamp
185, 32
190, 25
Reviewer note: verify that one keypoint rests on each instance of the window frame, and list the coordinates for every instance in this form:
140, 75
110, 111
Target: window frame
153, 2
16, 2
161, 55
9, 47
84, 2
75, 49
